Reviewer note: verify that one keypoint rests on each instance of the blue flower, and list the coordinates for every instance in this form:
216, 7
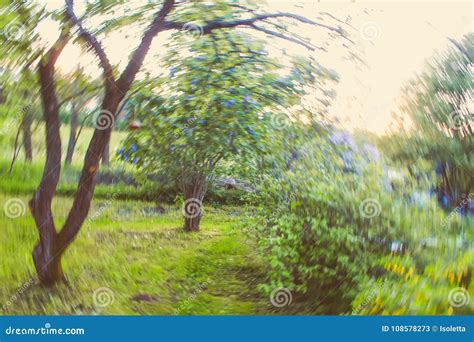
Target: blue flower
445, 201
348, 158
194, 81
372, 153
135, 160
342, 138
229, 103
133, 148
172, 72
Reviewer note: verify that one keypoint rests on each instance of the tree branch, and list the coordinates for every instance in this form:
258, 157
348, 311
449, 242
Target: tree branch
138, 56
461, 48
73, 96
219, 24
282, 36
91, 41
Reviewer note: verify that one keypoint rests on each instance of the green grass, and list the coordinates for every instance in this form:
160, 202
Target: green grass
7, 139
25, 179
146, 260
26, 176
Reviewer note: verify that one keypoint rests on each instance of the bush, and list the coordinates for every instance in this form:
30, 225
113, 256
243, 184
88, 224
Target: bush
441, 287
311, 229
329, 222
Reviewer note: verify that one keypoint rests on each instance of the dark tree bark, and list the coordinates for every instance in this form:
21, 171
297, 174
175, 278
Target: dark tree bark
106, 154
27, 122
192, 224
194, 189
47, 253
72, 134
114, 94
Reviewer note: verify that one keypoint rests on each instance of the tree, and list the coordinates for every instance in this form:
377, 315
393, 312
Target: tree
47, 253
21, 109
81, 91
214, 106
439, 103
17, 52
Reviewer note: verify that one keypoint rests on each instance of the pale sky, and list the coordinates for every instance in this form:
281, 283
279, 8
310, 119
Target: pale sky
394, 38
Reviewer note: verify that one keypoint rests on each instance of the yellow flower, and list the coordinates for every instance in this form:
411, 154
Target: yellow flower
398, 311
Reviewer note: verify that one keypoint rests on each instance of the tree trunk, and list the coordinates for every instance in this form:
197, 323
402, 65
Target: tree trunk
194, 190
27, 121
47, 253
72, 135
86, 186
106, 155
192, 224
48, 262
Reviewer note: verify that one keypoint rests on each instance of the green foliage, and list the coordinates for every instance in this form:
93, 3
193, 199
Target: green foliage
440, 287
330, 219
215, 105
311, 210
439, 104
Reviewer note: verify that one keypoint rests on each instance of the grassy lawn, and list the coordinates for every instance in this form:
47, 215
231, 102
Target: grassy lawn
143, 258
126, 251
7, 136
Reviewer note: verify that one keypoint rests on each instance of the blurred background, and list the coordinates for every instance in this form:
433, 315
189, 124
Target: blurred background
270, 157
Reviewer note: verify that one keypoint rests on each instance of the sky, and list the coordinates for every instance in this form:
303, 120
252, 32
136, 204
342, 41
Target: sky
395, 39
